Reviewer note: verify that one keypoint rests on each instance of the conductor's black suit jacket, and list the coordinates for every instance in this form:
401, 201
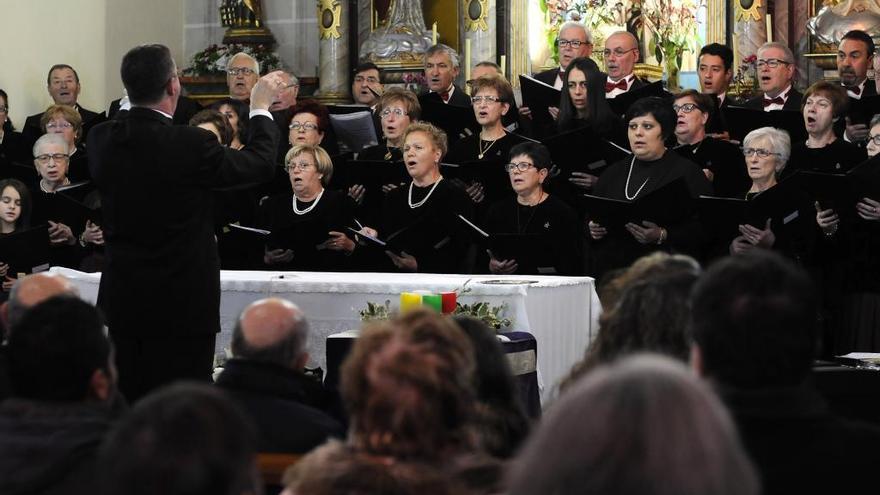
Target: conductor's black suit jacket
162, 274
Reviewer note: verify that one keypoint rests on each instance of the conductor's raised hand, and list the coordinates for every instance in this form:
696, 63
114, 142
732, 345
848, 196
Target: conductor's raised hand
266, 90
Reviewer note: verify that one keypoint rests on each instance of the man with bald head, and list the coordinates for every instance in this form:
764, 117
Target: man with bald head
32, 290
265, 376
621, 54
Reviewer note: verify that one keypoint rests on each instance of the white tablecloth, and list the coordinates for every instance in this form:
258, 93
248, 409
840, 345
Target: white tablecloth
561, 312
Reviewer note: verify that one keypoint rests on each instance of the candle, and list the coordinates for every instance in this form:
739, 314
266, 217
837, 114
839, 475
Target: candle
433, 301
769, 28
434, 34
409, 300
467, 61
503, 65
449, 300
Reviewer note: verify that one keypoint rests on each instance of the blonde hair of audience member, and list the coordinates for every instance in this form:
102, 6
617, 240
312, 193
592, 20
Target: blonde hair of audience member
56, 116
642, 426
408, 389
335, 469
323, 163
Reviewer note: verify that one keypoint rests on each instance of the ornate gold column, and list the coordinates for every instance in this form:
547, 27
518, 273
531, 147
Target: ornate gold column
333, 69
518, 49
478, 26
750, 28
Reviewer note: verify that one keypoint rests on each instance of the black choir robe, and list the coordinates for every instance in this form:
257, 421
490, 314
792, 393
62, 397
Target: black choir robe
725, 161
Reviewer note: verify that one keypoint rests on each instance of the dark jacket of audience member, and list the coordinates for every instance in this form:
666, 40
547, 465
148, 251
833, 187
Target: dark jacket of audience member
642, 426
501, 420
51, 429
755, 334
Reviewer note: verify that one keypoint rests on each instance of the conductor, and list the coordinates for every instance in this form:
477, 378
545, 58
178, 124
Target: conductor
160, 289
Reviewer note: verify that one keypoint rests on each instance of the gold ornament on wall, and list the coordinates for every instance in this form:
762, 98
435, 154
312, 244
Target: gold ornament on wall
329, 19
748, 10
476, 13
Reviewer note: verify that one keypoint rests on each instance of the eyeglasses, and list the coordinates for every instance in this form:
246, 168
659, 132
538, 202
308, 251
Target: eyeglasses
761, 152
875, 138
521, 166
686, 108
396, 111
296, 165
3, 108
240, 70
476, 100
59, 125
369, 79
770, 62
617, 52
305, 126
562, 43
56, 157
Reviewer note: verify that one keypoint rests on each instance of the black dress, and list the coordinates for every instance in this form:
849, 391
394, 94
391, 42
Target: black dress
724, 160
381, 151
495, 180
555, 224
618, 249
302, 233
433, 233
836, 158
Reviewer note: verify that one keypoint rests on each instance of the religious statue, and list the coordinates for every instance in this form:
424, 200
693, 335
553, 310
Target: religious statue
402, 38
833, 21
244, 18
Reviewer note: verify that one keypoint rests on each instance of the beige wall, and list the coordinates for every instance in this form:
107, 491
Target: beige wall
90, 35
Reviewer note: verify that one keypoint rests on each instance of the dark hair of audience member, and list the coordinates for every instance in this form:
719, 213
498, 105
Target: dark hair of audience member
7, 125
218, 120
145, 71
58, 67
408, 387
859, 35
702, 100
315, 108
335, 469
366, 65
55, 349
600, 115
658, 108
183, 439
657, 263
24, 220
283, 353
719, 50
644, 425
241, 109
501, 420
753, 318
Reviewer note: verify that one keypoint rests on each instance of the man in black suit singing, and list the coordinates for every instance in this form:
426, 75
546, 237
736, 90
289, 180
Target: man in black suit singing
574, 41
854, 55
776, 72
64, 88
621, 54
160, 289
442, 66
715, 69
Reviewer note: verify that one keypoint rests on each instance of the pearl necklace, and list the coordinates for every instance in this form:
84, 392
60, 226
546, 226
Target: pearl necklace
310, 208
425, 199
626, 187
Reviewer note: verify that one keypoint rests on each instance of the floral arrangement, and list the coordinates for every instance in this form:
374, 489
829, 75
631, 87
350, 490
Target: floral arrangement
483, 311
745, 82
593, 13
212, 60
673, 26
415, 82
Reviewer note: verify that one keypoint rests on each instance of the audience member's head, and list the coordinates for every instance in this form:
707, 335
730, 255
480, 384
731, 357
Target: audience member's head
408, 388
502, 423
287, 97
642, 426
58, 353
32, 290
272, 331
242, 73
214, 122
754, 322
334, 469
63, 84
184, 439
149, 75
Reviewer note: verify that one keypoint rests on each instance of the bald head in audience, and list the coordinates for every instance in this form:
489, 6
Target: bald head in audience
272, 330
32, 290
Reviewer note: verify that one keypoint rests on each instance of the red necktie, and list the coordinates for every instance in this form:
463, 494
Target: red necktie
773, 101
856, 90
610, 86
445, 96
